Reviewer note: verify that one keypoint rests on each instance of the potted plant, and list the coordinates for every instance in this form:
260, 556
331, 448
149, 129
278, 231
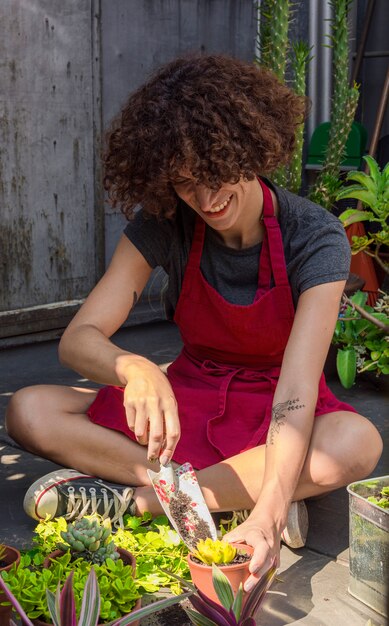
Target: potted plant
232, 558
91, 540
372, 190
8, 557
87, 544
369, 542
62, 605
231, 608
362, 337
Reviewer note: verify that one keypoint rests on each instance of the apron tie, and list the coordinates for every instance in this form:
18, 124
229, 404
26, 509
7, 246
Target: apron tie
228, 373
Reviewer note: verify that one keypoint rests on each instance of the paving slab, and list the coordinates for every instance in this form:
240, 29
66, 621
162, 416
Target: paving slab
314, 579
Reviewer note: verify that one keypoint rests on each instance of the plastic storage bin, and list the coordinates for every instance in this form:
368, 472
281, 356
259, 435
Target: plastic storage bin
369, 545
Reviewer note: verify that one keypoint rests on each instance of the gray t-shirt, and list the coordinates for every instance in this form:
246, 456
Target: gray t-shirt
315, 246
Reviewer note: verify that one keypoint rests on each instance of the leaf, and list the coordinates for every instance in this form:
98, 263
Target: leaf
148, 610
346, 364
374, 169
359, 298
249, 621
90, 607
199, 620
52, 606
354, 191
257, 594
238, 602
222, 587
351, 216
67, 604
211, 610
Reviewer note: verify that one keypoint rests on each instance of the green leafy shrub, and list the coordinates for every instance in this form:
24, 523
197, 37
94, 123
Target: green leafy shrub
362, 344
382, 500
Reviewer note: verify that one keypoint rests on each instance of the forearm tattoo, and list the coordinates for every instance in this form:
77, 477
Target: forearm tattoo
278, 419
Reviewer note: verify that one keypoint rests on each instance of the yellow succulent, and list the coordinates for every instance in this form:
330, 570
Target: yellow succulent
214, 551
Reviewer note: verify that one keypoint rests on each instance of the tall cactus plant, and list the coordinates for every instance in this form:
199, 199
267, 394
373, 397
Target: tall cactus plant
300, 61
275, 17
344, 104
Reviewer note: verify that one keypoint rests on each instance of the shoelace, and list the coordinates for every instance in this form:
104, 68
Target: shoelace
80, 503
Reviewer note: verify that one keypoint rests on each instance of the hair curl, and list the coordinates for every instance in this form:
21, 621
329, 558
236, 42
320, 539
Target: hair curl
218, 117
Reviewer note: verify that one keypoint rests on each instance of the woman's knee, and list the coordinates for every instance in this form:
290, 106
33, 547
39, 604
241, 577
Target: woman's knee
25, 415
352, 453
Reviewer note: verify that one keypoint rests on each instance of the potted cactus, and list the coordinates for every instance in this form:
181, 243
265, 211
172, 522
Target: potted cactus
8, 556
90, 539
232, 558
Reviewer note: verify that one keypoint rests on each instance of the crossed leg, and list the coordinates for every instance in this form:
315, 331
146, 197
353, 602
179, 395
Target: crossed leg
51, 421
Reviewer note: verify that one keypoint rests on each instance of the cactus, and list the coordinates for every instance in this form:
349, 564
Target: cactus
275, 17
214, 551
300, 62
89, 539
344, 104
273, 35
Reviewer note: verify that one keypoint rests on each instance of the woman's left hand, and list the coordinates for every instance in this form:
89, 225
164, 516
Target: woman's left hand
262, 535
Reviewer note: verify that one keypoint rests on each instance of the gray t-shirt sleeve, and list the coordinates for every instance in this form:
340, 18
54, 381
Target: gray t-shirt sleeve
316, 246
152, 237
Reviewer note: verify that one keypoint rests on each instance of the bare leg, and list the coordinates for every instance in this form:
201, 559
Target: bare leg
344, 447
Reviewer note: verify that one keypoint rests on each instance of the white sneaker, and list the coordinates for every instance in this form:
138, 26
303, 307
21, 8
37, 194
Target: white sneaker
296, 529
72, 495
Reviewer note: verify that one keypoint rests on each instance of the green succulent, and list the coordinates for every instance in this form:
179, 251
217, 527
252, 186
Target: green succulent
89, 539
214, 551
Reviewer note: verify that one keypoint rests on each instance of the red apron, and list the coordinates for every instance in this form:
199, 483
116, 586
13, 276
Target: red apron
225, 377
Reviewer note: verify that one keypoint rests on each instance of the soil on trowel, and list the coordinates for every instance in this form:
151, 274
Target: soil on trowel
192, 528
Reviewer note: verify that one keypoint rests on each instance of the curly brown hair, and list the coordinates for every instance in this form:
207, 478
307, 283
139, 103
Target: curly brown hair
218, 117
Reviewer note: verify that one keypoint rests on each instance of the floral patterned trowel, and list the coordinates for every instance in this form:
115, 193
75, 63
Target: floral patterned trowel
182, 500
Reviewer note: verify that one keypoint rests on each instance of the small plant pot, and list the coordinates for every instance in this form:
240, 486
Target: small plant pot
126, 557
11, 556
236, 573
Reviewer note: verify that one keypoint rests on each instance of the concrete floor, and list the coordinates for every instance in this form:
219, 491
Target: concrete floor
313, 579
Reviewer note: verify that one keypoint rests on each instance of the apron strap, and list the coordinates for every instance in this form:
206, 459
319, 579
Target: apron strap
272, 258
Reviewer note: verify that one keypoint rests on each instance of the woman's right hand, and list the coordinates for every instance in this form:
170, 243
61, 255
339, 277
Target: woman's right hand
150, 405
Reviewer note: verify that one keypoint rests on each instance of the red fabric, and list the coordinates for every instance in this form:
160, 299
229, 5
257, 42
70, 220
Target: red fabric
225, 377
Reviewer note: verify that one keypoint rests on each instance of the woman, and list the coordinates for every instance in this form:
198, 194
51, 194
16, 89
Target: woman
255, 280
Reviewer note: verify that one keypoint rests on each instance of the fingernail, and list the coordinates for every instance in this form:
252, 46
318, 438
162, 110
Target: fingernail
249, 585
164, 460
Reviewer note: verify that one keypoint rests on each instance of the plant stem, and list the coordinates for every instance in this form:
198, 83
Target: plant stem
375, 256
365, 314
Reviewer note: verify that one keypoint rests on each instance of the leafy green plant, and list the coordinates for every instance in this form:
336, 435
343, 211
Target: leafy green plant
214, 551
231, 612
373, 191
62, 604
361, 334
90, 539
382, 500
152, 541
30, 581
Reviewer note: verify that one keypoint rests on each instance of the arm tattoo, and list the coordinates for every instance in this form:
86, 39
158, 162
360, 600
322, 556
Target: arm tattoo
279, 416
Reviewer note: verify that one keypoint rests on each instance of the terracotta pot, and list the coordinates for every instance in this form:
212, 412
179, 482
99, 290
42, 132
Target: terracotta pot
126, 557
236, 574
11, 556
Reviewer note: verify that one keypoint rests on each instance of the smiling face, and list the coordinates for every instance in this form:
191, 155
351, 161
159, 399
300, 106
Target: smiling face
233, 210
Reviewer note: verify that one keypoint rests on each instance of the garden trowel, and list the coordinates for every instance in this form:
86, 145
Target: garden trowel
182, 500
